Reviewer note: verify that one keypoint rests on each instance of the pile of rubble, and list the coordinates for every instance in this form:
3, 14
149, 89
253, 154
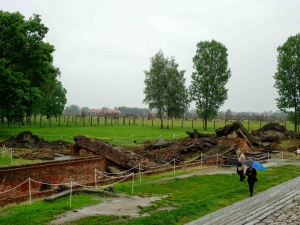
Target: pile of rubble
224, 143
47, 150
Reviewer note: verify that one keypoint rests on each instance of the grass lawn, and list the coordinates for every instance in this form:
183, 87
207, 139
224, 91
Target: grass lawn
118, 133
190, 198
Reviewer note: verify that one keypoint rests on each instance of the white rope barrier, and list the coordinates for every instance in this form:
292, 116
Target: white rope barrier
49, 183
201, 161
174, 165
81, 185
29, 190
153, 167
140, 173
126, 171
71, 195
14, 187
132, 183
117, 181
103, 174
95, 178
124, 177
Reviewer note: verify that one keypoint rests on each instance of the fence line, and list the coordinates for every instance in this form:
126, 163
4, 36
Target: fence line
70, 121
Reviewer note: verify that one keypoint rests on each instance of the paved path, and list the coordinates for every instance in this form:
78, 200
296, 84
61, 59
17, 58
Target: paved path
278, 205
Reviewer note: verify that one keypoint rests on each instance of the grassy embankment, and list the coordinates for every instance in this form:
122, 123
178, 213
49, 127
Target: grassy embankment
187, 199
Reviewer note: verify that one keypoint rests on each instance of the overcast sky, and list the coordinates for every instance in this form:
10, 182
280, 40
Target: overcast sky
103, 47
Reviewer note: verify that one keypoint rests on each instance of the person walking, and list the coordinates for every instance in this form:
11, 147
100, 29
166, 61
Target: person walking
251, 173
240, 166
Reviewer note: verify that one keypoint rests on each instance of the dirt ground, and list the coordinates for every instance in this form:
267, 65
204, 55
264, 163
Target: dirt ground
128, 205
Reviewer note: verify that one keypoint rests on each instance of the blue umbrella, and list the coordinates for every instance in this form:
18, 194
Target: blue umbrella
254, 164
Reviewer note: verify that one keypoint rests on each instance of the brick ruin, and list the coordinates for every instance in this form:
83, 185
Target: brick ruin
80, 170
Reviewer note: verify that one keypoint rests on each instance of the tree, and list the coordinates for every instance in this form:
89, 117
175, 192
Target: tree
228, 112
129, 110
54, 104
72, 109
85, 109
287, 78
178, 98
208, 82
15, 93
165, 87
27, 61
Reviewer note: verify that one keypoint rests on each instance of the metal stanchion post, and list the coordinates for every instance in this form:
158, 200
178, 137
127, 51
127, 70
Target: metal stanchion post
95, 179
29, 190
71, 195
201, 160
174, 166
140, 173
132, 183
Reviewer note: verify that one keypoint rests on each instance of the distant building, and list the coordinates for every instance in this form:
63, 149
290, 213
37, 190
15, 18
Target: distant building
105, 112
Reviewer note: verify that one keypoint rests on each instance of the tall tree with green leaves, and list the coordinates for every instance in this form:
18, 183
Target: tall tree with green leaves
25, 59
72, 109
208, 81
287, 78
165, 89
54, 103
85, 109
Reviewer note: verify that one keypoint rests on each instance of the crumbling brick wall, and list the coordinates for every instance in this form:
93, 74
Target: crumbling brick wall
81, 171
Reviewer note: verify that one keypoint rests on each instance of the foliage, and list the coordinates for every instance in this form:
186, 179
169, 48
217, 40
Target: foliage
209, 80
54, 104
72, 109
165, 88
287, 77
26, 66
85, 109
15, 93
129, 110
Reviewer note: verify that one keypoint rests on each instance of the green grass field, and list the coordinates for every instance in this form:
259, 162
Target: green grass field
118, 132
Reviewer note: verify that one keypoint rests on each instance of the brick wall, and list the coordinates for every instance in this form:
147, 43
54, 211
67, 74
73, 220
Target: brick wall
79, 171
56, 172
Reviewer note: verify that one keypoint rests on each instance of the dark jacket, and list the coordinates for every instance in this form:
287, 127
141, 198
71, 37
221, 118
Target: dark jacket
251, 175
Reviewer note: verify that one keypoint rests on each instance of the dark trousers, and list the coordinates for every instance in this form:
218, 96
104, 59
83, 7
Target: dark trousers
241, 174
251, 185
